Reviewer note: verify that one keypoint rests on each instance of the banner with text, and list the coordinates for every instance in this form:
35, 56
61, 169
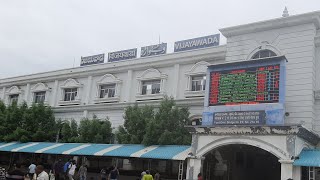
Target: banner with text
239, 118
196, 43
88, 60
154, 50
122, 55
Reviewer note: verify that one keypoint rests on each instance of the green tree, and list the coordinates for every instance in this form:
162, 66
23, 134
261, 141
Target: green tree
95, 131
23, 123
66, 131
74, 131
167, 128
149, 126
134, 128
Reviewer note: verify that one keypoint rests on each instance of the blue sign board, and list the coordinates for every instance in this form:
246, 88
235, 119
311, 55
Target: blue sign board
196, 43
122, 55
154, 50
239, 118
88, 60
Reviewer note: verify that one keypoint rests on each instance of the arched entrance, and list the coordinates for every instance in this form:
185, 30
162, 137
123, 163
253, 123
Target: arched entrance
240, 162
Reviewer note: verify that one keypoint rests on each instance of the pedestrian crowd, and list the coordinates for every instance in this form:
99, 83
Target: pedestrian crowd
65, 171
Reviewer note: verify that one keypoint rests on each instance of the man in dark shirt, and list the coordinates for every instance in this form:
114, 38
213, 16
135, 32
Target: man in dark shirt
17, 173
58, 169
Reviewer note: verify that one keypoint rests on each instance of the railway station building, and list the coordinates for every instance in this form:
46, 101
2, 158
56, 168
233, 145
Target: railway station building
254, 101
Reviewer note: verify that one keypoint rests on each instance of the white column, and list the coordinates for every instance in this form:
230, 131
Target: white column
286, 169
27, 94
88, 89
55, 90
176, 81
85, 114
3, 96
193, 168
128, 87
297, 172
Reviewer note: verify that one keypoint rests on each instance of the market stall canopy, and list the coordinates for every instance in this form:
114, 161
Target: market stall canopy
308, 157
166, 152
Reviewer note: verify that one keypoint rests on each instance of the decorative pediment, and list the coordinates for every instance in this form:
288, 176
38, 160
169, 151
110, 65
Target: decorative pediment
151, 74
108, 78
198, 68
40, 87
14, 90
69, 83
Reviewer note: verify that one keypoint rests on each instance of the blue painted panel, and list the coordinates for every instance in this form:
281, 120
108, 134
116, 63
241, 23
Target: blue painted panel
165, 152
207, 118
125, 151
91, 150
308, 157
61, 149
14, 146
34, 148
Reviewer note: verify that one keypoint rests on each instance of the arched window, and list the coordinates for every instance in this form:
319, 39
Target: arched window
263, 54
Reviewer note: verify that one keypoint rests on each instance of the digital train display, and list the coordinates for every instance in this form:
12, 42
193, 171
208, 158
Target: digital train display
252, 85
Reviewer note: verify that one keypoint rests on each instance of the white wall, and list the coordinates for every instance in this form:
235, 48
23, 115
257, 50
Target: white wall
297, 44
174, 66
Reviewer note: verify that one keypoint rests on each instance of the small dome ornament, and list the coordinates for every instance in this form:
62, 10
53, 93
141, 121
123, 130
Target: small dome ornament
285, 12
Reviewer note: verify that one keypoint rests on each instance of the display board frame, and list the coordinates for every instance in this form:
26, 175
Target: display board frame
269, 108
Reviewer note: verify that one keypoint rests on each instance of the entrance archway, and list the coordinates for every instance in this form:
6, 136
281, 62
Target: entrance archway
240, 162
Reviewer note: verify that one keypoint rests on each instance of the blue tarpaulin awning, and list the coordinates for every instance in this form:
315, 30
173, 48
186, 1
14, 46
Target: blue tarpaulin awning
308, 157
166, 152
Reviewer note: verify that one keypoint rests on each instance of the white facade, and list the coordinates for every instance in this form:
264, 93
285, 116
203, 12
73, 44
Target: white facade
298, 39
174, 73
295, 37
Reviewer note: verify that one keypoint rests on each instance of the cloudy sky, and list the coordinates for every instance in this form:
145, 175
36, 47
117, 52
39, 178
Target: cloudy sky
44, 35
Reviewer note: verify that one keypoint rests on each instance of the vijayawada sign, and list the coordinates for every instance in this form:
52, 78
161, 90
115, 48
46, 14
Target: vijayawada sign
196, 43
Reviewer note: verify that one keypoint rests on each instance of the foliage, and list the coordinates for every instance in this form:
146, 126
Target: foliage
37, 124
95, 131
134, 128
149, 126
89, 131
23, 123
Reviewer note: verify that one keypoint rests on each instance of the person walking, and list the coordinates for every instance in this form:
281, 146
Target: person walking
147, 176
41, 174
66, 168
31, 170
114, 173
200, 176
157, 176
83, 172
142, 174
72, 169
58, 169
104, 174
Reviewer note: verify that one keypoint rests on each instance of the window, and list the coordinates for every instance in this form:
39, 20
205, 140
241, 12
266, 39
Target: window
39, 97
107, 91
70, 94
151, 87
196, 122
14, 98
263, 54
198, 83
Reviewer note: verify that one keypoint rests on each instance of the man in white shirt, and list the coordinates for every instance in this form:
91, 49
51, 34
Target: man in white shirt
72, 169
41, 174
32, 170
